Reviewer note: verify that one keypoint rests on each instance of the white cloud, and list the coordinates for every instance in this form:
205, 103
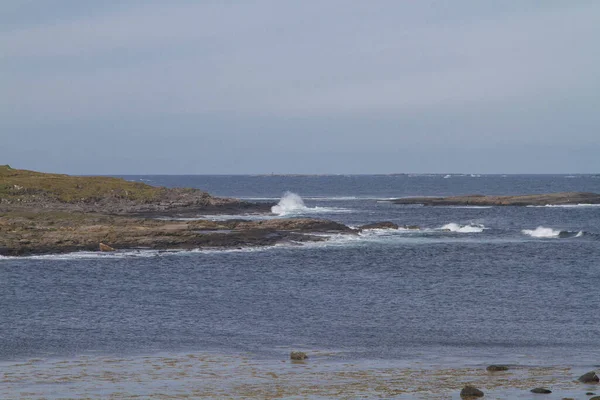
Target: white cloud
277, 58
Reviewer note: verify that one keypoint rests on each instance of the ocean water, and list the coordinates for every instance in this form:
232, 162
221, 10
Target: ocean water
474, 285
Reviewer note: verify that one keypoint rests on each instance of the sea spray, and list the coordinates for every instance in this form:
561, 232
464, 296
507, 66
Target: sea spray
454, 227
290, 203
542, 232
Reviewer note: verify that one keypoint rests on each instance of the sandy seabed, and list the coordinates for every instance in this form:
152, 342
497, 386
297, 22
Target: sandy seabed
322, 376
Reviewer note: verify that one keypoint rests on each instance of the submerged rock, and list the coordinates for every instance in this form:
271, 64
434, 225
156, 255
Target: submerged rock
589, 377
298, 356
470, 392
105, 247
380, 225
541, 391
496, 368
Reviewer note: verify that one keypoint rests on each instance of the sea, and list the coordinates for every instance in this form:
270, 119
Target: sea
472, 286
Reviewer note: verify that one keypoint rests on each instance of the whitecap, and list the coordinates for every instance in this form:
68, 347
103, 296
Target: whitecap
471, 228
542, 232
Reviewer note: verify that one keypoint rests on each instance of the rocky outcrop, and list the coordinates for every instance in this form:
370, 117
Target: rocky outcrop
298, 356
470, 392
379, 225
589, 377
59, 232
524, 200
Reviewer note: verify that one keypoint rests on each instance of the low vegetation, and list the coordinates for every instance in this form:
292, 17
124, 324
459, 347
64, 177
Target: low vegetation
18, 185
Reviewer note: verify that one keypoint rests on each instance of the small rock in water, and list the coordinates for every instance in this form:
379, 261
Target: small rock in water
541, 391
589, 377
590, 393
105, 247
298, 356
470, 391
496, 368
379, 225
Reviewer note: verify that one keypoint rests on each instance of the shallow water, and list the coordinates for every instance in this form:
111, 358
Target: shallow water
473, 286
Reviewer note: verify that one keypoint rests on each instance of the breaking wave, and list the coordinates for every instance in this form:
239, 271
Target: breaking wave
549, 233
471, 228
567, 206
292, 204
542, 232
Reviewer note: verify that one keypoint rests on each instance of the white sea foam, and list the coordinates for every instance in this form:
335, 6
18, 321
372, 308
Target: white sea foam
542, 232
582, 205
579, 234
471, 228
292, 204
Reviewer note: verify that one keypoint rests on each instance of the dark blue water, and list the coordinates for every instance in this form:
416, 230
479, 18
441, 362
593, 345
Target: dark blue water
489, 291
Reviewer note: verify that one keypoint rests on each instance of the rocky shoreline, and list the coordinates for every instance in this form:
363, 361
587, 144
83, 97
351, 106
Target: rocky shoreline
567, 198
50, 214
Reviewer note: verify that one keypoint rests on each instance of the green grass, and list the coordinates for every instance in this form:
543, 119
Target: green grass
20, 184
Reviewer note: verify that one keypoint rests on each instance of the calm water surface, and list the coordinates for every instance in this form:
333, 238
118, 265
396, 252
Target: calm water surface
493, 285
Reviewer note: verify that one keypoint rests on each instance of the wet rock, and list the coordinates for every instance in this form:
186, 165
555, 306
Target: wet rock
541, 391
590, 393
589, 377
496, 368
595, 398
105, 247
298, 356
470, 392
380, 225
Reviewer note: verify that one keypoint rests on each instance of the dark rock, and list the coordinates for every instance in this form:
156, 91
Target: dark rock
298, 356
496, 368
589, 377
590, 393
380, 225
541, 391
470, 391
523, 200
595, 398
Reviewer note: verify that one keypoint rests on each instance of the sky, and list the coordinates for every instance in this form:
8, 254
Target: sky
282, 86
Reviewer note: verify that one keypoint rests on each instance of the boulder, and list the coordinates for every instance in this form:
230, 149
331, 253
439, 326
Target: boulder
298, 356
595, 398
541, 391
590, 393
589, 377
380, 225
496, 368
470, 392
105, 247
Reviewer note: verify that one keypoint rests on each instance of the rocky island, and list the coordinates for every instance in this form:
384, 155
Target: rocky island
44, 213
567, 198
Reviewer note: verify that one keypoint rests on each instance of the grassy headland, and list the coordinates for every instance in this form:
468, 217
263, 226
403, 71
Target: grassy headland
53, 213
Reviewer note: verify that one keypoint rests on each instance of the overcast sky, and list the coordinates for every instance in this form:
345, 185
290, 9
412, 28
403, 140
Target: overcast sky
328, 86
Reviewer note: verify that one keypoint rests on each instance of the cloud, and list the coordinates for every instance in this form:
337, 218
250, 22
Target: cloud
344, 76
